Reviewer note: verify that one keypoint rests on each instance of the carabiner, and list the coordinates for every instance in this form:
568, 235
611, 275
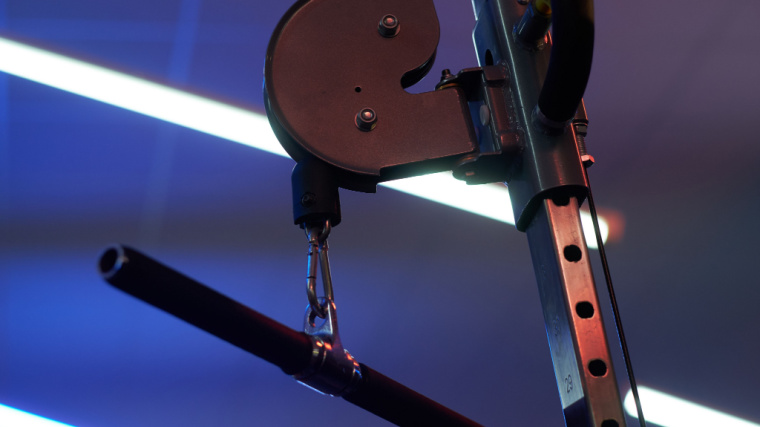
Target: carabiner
317, 236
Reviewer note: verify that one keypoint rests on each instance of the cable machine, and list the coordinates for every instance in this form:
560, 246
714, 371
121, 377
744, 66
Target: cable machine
335, 76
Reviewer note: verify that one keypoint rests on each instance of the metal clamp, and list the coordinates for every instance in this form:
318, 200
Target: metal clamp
332, 370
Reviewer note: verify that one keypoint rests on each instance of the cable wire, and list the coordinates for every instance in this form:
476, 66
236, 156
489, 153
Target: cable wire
613, 302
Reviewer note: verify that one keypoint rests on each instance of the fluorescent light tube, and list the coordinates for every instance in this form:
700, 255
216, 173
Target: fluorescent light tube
670, 411
231, 123
18, 418
139, 95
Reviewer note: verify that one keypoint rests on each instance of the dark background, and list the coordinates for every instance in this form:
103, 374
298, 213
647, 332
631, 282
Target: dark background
441, 300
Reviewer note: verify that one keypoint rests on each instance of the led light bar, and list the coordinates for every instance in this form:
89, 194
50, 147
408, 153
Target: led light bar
18, 418
231, 123
670, 411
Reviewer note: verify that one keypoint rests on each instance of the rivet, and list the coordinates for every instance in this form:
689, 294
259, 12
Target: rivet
308, 199
485, 115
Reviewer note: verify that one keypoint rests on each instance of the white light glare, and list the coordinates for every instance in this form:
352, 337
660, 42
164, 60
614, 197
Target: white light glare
135, 94
489, 200
12, 417
671, 411
231, 123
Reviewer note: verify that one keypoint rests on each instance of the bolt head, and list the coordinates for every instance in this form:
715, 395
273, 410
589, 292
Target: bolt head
446, 75
366, 119
388, 26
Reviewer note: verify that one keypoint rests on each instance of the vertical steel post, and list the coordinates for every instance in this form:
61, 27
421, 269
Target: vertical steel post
547, 188
574, 326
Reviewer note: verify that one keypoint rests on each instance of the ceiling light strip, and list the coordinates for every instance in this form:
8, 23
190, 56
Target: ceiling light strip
229, 122
18, 418
670, 411
135, 94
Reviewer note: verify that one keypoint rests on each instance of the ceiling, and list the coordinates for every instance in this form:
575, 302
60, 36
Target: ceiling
438, 299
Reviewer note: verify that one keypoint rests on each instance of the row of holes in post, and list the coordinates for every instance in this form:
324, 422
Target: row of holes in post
584, 309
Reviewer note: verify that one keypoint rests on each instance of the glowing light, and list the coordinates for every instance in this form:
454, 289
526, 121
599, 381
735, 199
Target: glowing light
18, 418
491, 200
670, 411
229, 122
139, 95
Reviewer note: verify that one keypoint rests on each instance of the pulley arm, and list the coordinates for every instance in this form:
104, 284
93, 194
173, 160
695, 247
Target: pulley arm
334, 92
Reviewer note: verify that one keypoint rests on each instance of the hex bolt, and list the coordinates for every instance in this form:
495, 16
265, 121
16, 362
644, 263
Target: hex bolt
366, 119
388, 26
580, 130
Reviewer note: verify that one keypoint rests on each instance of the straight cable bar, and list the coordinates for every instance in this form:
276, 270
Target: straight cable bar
207, 309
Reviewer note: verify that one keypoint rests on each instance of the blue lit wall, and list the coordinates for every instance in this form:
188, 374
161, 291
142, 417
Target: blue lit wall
440, 300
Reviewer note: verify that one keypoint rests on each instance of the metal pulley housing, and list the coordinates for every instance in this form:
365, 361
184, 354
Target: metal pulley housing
334, 85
